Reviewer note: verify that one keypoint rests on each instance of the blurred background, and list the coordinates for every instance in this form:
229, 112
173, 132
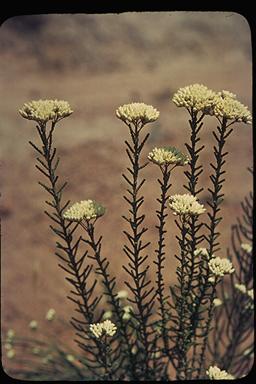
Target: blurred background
98, 62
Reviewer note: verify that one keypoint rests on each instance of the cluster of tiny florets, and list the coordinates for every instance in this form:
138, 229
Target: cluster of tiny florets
242, 288
84, 210
220, 267
217, 302
215, 373
197, 97
106, 327
186, 204
227, 106
45, 110
137, 112
246, 247
168, 156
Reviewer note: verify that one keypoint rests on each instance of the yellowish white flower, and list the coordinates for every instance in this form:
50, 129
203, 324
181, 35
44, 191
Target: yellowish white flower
241, 288
84, 210
50, 315
215, 373
197, 97
123, 294
127, 309
217, 302
45, 110
226, 105
220, 267
10, 334
107, 315
70, 358
246, 247
107, 327
250, 293
185, 205
136, 113
168, 156
8, 346
33, 324
10, 353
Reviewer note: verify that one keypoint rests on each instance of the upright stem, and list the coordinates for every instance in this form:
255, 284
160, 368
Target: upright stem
137, 271
160, 258
216, 200
109, 284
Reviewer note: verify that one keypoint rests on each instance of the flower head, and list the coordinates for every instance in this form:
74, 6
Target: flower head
246, 247
216, 373
242, 288
10, 353
137, 112
196, 97
185, 205
85, 210
45, 110
123, 294
33, 324
107, 315
10, 334
128, 309
50, 315
217, 302
70, 358
107, 327
227, 106
220, 267
168, 156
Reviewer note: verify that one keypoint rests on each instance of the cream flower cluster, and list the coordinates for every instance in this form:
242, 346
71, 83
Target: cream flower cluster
242, 288
185, 205
215, 373
168, 156
195, 96
45, 110
246, 247
220, 267
85, 209
107, 327
217, 302
137, 112
226, 105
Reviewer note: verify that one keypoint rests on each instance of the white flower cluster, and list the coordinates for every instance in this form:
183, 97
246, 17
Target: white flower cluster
127, 309
107, 327
215, 373
45, 110
196, 97
246, 247
85, 209
137, 112
217, 302
220, 267
226, 105
185, 205
167, 156
242, 288
123, 294
50, 315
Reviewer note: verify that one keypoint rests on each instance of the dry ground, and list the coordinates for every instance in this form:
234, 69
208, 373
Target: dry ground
98, 62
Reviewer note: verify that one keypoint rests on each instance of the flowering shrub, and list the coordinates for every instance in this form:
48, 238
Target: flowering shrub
147, 333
